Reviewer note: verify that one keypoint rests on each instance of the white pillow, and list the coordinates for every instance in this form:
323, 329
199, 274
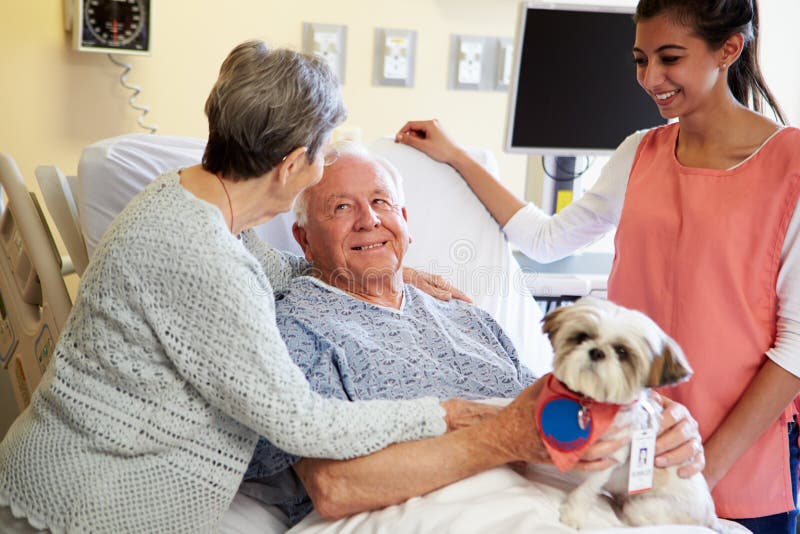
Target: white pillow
456, 237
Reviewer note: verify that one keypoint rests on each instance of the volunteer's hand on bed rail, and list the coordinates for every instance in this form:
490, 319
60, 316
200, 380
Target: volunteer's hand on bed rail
430, 138
433, 284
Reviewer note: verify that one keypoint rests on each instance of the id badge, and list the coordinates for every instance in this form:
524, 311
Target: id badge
643, 452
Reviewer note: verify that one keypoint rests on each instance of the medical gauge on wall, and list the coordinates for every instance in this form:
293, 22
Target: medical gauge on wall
113, 27
110, 26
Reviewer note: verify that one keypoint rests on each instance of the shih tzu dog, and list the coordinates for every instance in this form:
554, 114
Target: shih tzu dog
606, 358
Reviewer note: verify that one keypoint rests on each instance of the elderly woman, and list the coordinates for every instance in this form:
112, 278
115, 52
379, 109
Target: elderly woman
171, 365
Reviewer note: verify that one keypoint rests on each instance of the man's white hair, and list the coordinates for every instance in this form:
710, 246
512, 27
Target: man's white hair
357, 150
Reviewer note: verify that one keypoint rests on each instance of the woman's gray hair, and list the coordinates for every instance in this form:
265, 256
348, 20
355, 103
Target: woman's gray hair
357, 150
265, 104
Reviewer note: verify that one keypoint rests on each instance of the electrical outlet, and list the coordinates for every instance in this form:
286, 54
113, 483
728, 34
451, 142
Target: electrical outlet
470, 61
329, 42
395, 52
395, 57
480, 62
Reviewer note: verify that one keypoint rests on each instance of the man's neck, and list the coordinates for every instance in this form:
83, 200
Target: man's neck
386, 291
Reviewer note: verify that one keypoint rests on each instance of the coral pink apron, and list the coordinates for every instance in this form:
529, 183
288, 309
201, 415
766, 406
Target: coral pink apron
698, 250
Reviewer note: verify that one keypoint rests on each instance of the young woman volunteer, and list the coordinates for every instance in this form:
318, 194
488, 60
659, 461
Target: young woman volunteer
705, 210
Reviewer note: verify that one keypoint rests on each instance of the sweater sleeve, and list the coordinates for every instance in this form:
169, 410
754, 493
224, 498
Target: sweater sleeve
213, 311
547, 238
279, 265
317, 359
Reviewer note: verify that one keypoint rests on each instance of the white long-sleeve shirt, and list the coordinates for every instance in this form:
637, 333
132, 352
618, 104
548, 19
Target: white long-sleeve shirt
548, 238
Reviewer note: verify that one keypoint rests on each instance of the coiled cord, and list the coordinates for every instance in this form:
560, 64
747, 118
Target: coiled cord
144, 110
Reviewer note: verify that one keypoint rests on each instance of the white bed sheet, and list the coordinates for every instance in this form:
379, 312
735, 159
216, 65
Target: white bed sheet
498, 500
249, 516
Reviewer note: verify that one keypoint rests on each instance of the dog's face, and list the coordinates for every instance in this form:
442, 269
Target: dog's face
610, 353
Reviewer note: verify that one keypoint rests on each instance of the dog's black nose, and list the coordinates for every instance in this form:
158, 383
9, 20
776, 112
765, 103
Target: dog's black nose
596, 354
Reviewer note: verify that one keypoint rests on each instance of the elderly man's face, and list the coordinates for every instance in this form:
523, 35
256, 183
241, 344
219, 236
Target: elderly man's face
355, 230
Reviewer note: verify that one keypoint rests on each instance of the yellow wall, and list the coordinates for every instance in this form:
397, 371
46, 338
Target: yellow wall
54, 100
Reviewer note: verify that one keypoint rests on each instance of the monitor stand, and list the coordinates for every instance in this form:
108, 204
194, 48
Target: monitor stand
559, 184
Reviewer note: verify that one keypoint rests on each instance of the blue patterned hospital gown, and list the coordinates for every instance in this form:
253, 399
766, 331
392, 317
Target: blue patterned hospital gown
351, 349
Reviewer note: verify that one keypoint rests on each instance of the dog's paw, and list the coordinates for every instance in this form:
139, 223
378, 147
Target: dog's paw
572, 516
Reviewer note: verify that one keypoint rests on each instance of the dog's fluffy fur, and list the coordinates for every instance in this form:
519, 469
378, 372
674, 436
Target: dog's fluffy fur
612, 354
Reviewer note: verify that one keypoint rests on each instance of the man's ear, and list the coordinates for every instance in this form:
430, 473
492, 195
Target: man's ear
405, 217
291, 164
300, 236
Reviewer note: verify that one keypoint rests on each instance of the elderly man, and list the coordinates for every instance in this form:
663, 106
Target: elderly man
358, 332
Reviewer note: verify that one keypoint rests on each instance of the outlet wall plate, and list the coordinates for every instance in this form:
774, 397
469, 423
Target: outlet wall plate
395, 57
479, 63
328, 41
470, 65
504, 72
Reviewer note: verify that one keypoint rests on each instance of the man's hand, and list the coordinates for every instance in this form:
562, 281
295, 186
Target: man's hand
679, 441
514, 431
433, 284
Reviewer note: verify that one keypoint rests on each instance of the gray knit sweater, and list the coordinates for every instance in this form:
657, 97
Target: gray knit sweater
169, 367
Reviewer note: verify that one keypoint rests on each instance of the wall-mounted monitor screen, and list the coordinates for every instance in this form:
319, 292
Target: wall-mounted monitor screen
575, 89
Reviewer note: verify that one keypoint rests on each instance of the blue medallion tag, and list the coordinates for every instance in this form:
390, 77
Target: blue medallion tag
565, 424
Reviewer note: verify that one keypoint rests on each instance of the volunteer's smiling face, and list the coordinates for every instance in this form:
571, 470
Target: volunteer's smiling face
675, 66
356, 231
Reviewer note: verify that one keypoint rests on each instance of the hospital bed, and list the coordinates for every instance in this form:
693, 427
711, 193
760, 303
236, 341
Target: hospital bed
454, 236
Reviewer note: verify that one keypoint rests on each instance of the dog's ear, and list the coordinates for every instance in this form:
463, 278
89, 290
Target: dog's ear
553, 321
670, 366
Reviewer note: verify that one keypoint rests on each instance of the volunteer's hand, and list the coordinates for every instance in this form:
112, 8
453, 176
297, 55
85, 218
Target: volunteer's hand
679, 441
430, 138
598, 456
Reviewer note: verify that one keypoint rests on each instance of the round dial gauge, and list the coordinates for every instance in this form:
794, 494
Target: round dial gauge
116, 24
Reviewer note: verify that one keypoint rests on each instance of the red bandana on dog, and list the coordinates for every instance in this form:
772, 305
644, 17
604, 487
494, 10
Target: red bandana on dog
569, 423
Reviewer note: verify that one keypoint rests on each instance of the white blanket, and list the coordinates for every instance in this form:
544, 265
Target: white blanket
499, 500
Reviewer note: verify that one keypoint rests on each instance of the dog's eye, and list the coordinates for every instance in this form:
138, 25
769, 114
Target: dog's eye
580, 337
622, 352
